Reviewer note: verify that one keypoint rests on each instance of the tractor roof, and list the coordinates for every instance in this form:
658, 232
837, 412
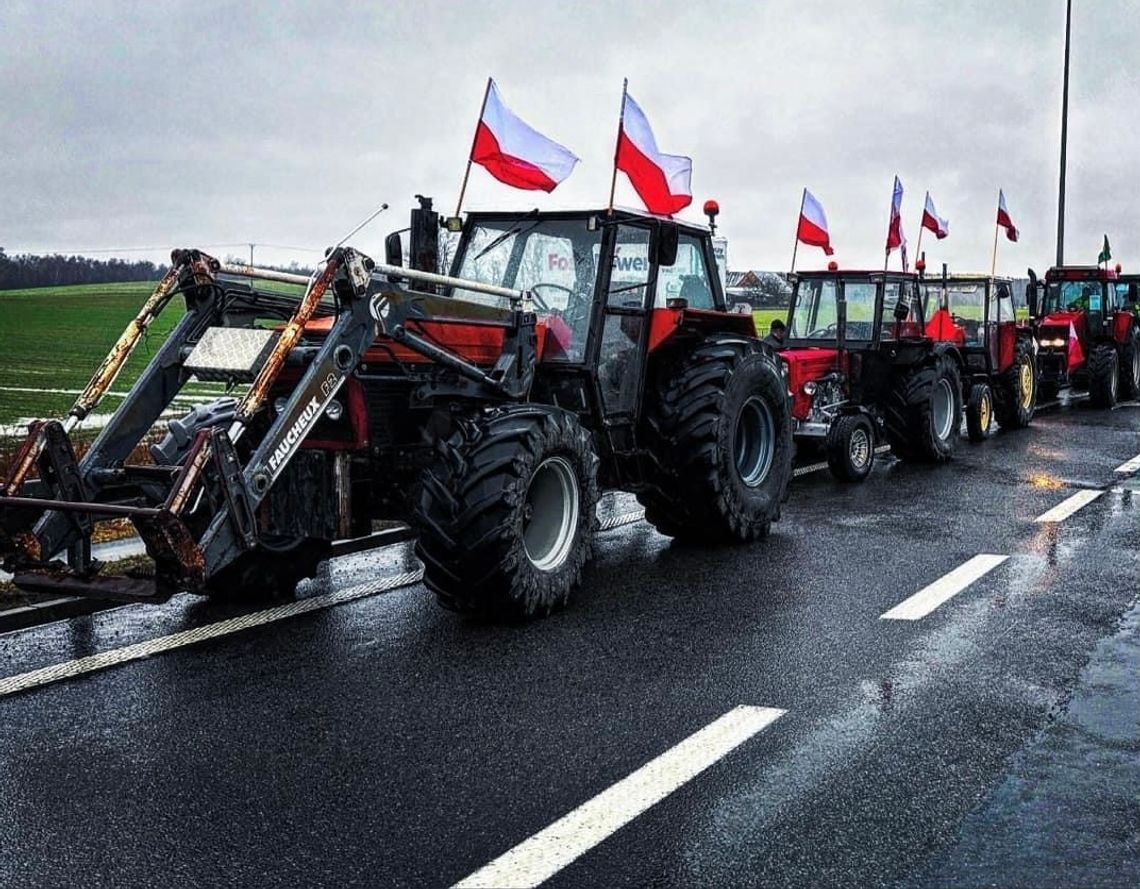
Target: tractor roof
1080, 273
870, 274
620, 214
969, 278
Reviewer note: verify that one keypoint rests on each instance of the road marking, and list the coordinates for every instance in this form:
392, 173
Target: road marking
1068, 506
541, 856
945, 588
1129, 467
116, 656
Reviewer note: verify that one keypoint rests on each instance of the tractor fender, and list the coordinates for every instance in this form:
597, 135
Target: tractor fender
951, 350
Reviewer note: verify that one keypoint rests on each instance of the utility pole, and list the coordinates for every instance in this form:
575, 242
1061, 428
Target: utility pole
1064, 138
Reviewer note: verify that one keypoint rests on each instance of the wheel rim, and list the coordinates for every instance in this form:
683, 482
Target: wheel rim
942, 403
551, 514
1027, 384
1136, 366
755, 441
1113, 381
984, 412
859, 448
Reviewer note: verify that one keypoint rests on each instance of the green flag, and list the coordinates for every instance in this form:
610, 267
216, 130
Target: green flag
1105, 252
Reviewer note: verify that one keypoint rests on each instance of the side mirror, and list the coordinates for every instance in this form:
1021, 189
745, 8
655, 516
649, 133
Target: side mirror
902, 307
667, 236
393, 250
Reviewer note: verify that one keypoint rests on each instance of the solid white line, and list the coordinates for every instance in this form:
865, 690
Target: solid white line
1129, 467
551, 849
1068, 506
945, 588
114, 657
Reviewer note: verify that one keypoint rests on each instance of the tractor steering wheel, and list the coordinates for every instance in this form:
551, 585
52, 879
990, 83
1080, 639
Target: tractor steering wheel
541, 303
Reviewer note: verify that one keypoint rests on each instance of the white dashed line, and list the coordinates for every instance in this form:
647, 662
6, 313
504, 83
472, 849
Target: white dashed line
945, 588
1130, 467
541, 856
1068, 506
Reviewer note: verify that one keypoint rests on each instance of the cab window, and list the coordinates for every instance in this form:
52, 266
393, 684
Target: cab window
687, 278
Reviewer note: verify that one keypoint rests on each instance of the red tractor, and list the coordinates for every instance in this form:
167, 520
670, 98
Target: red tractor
861, 370
999, 372
1088, 334
568, 353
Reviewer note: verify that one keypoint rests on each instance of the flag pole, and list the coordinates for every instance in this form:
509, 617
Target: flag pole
471, 153
887, 249
993, 260
918, 249
796, 242
617, 143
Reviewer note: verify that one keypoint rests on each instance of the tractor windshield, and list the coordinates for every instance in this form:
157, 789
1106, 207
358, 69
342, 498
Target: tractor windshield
553, 258
1062, 296
815, 314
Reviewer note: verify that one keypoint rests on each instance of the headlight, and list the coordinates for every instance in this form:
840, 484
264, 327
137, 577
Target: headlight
809, 387
335, 410
279, 404
1055, 343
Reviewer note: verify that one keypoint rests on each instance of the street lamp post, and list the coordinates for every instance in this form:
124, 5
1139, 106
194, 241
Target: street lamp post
1064, 138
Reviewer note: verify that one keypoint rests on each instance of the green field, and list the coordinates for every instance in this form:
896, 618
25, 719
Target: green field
55, 337
764, 317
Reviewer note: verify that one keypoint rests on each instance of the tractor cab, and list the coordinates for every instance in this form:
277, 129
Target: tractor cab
975, 314
857, 344
1087, 332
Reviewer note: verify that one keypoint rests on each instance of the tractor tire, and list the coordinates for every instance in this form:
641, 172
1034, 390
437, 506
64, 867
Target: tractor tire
1015, 398
1104, 375
850, 448
268, 573
1130, 365
979, 412
924, 411
507, 512
721, 428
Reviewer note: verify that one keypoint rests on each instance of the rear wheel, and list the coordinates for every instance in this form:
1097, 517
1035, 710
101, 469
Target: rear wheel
1104, 376
506, 514
979, 412
1015, 397
721, 428
924, 411
1130, 364
851, 448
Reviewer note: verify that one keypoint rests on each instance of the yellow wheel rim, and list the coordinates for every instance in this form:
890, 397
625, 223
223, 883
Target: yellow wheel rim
1026, 384
984, 412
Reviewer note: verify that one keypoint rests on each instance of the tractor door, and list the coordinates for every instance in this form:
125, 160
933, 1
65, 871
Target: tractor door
1003, 345
621, 345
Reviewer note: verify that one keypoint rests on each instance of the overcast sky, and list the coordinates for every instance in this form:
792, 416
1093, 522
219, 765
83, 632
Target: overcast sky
132, 124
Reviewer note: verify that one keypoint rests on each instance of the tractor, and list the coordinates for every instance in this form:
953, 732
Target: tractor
565, 354
861, 370
975, 313
1088, 333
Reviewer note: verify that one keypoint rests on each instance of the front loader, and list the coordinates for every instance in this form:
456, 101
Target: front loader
565, 354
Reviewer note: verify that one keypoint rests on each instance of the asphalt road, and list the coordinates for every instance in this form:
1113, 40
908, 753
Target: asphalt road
382, 741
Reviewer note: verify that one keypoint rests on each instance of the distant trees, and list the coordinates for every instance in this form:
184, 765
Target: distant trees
56, 270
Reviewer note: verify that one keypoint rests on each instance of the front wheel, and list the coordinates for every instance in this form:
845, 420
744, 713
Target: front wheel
721, 429
506, 514
979, 412
851, 448
1104, 375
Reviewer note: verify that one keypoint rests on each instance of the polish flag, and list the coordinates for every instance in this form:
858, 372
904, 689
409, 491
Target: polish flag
1003, 218
515, 153
931, 220
896, 237
662, 181
812, 229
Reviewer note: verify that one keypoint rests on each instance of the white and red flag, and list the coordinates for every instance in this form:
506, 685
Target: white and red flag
896, 237
1003, 218
514, 152
931, 220
662, 181
812, 229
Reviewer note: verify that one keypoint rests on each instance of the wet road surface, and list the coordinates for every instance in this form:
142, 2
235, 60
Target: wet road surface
377, 740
